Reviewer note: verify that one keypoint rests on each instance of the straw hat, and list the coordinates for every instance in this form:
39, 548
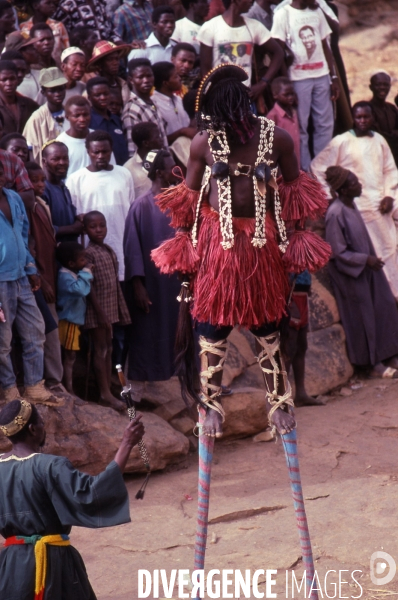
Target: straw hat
104, 48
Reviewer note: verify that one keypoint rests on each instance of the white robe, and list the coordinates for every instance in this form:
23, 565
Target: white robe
370, 158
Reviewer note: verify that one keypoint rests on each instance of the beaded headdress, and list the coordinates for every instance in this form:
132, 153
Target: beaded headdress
220, 72
18, 422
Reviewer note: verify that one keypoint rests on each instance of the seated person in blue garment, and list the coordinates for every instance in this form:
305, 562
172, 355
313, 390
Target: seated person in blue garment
41, 498
99, 95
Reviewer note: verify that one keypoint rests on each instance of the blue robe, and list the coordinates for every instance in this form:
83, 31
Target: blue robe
44, 495
151, 336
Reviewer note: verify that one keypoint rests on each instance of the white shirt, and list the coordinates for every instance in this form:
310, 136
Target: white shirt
142, 183
78, 155
187, 31
233, 44
171, 110
154, 50
110, 192
30, 86
303, 31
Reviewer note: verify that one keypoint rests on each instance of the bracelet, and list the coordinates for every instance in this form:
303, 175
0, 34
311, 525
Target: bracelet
333, 77
265, 80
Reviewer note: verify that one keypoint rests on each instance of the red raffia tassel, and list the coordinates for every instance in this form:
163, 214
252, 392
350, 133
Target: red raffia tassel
302, 198
181, 203
177, 254
306, 250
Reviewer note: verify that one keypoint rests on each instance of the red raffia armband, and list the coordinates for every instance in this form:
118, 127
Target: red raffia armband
302, 198
306, 250
177, 254
181, 203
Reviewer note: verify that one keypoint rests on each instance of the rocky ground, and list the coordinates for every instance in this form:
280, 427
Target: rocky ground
350, 473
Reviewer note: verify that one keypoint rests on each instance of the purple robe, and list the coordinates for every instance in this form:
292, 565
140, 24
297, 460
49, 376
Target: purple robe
367, 307
151, 336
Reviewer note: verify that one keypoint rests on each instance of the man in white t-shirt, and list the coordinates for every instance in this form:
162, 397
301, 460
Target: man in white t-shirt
78, 113
187, 29
231, 37
106, 188
303, 28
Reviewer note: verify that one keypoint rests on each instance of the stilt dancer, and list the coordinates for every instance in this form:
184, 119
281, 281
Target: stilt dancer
238, 236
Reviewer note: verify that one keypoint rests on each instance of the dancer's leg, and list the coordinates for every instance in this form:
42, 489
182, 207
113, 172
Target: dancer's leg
212, 357
278, 390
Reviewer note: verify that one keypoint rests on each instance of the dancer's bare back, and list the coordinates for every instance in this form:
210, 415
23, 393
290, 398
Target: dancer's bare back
241, 186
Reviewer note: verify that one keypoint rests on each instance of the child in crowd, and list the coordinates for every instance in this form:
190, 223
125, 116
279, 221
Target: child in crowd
74, 279
115, 102
284, 112
42, 231
106, 303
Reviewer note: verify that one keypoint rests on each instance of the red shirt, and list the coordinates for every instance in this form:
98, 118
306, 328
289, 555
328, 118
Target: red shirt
288, 123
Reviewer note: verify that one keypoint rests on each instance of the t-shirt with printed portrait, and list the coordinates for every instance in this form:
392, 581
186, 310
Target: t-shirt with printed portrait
303, 32
233, 44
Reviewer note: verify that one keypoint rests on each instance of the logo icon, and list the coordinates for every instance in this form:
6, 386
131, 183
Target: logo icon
382, 568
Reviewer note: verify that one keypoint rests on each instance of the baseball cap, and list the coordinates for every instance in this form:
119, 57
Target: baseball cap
52, 77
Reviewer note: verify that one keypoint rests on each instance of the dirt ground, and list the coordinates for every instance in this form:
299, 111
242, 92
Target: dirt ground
349, 470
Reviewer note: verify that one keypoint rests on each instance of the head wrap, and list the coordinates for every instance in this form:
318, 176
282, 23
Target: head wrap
336, 177
18, 422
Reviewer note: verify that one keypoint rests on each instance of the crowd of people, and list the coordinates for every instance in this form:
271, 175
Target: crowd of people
97, 109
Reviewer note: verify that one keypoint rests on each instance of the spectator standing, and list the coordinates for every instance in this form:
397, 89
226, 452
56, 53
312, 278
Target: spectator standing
74, 284
106, 305
159, 44
262, 10
73, 66
385, 114
146, 137
85, 38
18, 278
86, 13
368, 155
7, 21
42, 230
49, 120
115, 102
366, 305
183, 57
305, 31
284, 113
16, 144
104, 187
16, 42
105, 61
78, 113
98, 92
66, 224
132, 20
19, 62
232, 37
187, 29
43, 11
140, 108
44, 43
14, 108
151, 296
170, 106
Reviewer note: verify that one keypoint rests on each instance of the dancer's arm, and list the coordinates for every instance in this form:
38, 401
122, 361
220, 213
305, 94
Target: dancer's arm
286, 157
197, 162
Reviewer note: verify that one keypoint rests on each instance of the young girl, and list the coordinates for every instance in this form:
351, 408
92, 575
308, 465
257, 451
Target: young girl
106, 303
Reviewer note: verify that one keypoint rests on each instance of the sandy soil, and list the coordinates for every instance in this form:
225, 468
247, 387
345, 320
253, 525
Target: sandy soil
349, 470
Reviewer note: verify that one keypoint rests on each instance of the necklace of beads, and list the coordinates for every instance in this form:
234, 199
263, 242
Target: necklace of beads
221, 154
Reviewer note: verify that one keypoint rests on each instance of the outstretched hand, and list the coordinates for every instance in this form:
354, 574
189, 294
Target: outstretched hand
131, 436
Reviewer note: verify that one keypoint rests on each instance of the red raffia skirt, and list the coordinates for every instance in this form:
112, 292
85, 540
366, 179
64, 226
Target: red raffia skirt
245, 285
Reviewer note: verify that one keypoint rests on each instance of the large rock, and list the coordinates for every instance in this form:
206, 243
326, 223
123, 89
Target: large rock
323, 311
89, 435
245, 413
327, 365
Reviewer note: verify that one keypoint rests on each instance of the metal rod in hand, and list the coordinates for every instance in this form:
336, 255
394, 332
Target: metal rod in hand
206, 447
289, 441
127, 397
